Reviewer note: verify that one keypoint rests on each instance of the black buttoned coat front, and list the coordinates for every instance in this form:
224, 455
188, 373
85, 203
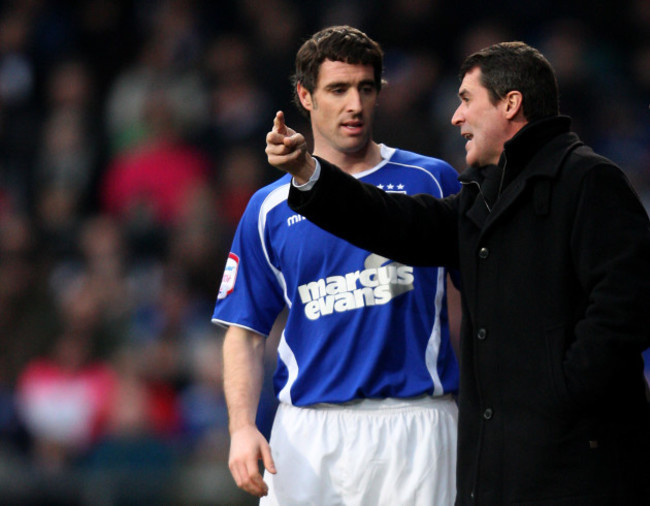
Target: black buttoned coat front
556, 312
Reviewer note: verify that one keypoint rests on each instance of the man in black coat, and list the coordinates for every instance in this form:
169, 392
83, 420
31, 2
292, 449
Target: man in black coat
553, 247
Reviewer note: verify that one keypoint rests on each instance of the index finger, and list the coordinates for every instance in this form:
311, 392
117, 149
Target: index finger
279, 125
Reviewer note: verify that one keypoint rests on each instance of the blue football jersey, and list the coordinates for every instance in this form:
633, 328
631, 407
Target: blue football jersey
359, 325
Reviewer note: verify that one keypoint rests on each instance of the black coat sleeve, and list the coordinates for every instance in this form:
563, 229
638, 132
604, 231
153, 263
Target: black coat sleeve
415, 230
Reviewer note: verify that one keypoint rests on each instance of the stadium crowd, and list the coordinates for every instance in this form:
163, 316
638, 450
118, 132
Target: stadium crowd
131, 137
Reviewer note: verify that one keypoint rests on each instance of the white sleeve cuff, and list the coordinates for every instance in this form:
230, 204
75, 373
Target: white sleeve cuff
312, 180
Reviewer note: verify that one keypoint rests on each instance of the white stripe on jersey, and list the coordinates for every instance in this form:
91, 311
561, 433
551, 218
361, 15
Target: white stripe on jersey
289, 359
275, 198
433, 346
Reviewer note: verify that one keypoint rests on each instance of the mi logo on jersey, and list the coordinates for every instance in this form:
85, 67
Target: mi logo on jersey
229, 276
377, 284
292, 220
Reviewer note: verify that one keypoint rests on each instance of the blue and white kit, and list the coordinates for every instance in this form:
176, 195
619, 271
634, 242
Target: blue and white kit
359, 325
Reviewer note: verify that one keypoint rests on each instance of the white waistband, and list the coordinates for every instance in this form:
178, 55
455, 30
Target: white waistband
388, 403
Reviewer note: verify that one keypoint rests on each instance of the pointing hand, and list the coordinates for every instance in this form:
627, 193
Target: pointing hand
286, 150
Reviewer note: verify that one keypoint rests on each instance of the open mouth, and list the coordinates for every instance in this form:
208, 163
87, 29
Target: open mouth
353, 125
468, 137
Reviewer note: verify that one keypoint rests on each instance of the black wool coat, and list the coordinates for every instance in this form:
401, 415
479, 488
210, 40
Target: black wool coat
555, 267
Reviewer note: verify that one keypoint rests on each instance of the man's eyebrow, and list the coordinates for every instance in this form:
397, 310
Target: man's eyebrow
463, 93
337, 84
347, 84
368, 82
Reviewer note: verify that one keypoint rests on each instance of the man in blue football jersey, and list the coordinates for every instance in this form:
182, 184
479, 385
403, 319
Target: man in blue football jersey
366, 371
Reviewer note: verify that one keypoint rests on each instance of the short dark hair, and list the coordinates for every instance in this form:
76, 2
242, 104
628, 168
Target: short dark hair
509, 66
337, 43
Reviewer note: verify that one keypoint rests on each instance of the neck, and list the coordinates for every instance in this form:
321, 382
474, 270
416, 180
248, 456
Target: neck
352, 162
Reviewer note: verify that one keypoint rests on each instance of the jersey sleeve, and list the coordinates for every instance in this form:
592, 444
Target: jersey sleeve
450, 185
449, 180
251, 291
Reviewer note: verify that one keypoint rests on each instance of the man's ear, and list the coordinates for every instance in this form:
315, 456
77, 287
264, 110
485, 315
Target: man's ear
514, 104
304, 96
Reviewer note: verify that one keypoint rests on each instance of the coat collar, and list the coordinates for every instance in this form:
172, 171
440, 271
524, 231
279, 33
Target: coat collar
538, 149
528, 142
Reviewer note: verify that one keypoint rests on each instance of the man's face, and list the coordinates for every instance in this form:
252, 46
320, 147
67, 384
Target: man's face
342, 107
482, 123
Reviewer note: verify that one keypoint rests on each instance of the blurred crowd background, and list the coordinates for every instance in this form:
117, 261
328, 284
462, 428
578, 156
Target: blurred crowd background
131, 137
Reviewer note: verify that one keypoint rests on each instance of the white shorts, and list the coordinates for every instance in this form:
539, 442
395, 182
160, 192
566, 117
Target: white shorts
388, 452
